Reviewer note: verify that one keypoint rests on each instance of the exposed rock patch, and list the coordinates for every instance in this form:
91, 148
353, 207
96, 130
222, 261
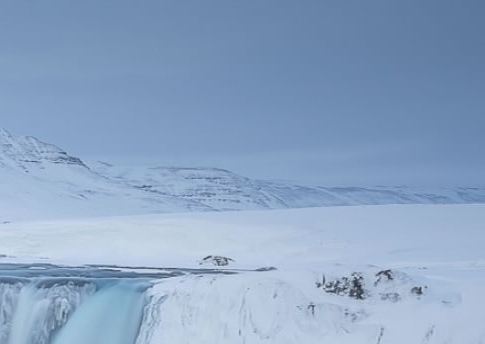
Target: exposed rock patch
418, 290
266, 268
384, 276
216, 260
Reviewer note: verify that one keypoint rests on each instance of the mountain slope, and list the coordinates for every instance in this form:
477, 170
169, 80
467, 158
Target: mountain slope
40, 180
297, 196
223, 190
213, 187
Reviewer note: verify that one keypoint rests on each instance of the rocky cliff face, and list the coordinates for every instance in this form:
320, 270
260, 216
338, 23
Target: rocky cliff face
25, 152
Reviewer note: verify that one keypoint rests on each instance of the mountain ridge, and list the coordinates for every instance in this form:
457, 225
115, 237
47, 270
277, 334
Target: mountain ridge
39, 179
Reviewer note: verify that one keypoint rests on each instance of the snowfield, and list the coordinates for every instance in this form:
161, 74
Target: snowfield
362, 274
394, 234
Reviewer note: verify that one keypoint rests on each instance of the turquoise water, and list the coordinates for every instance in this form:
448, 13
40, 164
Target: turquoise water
59, 305
110, 316
49, 304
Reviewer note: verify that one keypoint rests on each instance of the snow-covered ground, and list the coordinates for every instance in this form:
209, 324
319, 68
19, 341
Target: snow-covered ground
363, 274
381, 274
397, 234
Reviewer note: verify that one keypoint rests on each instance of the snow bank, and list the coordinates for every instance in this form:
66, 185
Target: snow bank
421, 270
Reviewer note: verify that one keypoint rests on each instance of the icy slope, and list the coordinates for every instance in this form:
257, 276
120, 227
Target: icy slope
386, 274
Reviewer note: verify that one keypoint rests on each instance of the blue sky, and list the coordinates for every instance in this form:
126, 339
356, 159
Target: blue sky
330, 92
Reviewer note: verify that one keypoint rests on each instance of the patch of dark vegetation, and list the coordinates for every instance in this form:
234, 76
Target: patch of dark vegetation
352, 286
387, 284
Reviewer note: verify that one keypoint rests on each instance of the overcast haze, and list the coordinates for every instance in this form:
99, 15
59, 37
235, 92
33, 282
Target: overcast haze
334, 92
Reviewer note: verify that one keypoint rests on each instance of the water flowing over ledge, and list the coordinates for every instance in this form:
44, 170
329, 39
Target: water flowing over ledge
48, 304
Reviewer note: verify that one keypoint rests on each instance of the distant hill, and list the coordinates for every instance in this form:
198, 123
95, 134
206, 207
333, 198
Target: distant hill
40, 180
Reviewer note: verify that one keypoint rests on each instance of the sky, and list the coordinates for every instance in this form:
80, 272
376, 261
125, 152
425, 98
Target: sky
330, 92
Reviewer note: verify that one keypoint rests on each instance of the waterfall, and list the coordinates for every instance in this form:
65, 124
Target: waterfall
70, 311
8, 297
111, 316
32, 312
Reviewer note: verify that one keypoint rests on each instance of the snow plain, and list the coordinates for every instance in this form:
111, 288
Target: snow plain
434, 249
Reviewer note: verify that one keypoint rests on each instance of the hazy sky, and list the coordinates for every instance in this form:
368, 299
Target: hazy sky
335, 92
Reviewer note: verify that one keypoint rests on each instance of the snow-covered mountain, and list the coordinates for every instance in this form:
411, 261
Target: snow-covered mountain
216, 188
223, 190
40, 180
